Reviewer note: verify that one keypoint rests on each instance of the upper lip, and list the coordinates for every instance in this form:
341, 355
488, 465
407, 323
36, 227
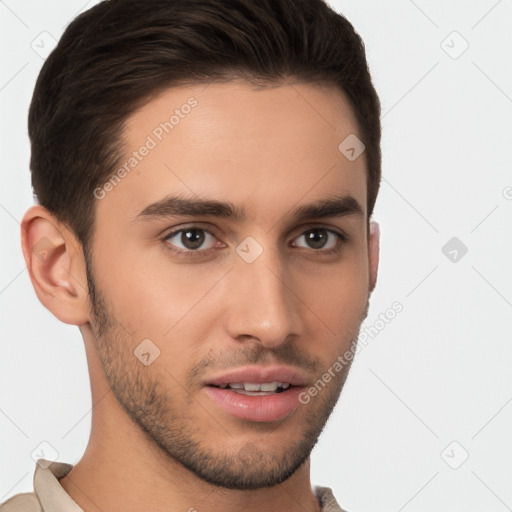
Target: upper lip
259, 375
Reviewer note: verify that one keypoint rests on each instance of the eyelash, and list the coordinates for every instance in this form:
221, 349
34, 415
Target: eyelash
342, 240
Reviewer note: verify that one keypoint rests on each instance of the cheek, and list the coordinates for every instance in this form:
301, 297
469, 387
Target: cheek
342, 313
143, 287
339, 297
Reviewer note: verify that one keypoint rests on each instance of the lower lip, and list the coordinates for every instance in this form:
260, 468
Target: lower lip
256, 408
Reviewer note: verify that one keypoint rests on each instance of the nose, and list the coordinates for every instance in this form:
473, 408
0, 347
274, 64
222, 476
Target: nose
262, 303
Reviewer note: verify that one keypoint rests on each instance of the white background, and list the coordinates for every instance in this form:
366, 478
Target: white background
439, 372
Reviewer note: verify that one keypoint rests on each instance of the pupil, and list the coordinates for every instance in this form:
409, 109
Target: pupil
317, 238
192, 238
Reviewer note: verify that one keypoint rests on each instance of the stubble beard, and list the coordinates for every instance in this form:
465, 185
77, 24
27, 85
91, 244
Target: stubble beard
153, 408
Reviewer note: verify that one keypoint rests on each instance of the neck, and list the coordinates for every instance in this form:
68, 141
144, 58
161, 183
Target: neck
128, 472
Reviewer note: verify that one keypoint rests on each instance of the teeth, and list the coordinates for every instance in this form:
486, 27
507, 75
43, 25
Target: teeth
249, 386
252, 387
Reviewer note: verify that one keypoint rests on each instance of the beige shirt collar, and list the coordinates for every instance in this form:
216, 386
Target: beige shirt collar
51, 494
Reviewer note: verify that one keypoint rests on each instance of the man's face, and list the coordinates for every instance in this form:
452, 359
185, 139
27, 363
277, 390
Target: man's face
270, 297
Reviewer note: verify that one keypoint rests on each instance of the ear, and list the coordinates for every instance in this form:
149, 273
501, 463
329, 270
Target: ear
373, 253
56, 266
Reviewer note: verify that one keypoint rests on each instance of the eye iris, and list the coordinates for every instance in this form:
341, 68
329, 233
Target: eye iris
192, 238
317, 238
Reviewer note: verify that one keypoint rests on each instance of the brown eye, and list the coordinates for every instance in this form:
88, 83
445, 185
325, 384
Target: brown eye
320, 238
190, 239
317, 238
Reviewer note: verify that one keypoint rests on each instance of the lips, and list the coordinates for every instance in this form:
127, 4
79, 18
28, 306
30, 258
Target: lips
257, 393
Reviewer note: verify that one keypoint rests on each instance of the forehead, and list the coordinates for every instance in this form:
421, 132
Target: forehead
264, 148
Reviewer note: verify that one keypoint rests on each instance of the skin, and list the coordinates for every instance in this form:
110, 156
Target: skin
157, 438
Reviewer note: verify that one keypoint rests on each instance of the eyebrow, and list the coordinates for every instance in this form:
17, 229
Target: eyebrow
175, 206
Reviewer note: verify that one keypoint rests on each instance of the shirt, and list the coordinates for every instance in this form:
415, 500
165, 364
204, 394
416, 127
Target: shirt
50, 496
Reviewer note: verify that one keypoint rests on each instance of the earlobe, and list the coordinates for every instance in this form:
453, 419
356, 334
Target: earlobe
55, 264
373, 253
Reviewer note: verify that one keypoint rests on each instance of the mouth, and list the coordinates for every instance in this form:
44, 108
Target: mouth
260, 394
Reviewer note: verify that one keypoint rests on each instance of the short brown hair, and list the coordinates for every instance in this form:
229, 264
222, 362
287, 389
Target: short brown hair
120, 53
